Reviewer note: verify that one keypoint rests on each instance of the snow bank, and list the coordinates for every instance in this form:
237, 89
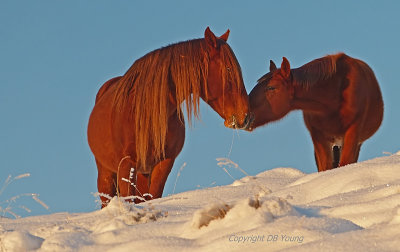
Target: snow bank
20, 241
353, 208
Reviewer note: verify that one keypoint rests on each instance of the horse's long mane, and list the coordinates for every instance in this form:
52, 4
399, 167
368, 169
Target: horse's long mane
157, 84
316, 70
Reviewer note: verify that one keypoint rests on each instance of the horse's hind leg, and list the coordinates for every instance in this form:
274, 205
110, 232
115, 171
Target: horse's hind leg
106, 184
142, 187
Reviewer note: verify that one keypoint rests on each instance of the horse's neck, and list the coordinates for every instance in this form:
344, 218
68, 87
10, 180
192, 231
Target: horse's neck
310, 99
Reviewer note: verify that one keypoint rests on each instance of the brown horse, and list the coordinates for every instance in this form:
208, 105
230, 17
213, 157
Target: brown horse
137, 129
340, 99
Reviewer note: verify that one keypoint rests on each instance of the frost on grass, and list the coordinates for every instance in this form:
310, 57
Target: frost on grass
7, 206
266, 210
178, 175
226, 163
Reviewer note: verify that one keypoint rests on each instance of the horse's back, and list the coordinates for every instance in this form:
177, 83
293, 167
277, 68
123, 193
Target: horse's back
357, 72
106, 87
354, 97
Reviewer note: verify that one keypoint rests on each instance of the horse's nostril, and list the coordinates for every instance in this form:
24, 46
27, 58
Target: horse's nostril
248, 121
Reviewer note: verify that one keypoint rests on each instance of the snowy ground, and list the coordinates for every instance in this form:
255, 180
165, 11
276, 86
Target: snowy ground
353, 208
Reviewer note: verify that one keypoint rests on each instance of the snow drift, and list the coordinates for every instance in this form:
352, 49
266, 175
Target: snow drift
353, 208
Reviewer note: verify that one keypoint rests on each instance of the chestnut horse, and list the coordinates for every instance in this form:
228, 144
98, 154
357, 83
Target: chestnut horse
137, 129
340, 99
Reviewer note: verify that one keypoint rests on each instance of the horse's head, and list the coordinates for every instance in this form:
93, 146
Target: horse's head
271, 98
224, 90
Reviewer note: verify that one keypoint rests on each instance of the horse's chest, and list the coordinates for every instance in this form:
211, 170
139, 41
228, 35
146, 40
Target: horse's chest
328, 124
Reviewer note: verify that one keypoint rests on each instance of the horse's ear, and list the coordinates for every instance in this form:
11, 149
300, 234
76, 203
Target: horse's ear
285, 68
225, 36
272, 66
210, 38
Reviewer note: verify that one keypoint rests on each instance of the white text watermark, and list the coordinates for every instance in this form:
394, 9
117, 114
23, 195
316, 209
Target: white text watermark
269, 238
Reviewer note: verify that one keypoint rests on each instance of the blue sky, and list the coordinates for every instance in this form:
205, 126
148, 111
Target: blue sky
55, 55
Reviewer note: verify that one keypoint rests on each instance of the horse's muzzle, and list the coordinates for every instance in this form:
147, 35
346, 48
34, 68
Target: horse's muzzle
246, 125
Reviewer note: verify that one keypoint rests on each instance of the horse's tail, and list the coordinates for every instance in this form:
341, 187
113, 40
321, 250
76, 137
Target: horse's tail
106, 86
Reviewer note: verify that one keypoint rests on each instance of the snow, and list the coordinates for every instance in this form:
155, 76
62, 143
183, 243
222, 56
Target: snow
352, 208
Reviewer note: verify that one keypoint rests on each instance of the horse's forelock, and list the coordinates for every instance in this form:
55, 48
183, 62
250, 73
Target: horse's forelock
232, 65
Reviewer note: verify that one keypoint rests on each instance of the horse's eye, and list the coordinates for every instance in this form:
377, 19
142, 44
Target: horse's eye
269, 88
228, 69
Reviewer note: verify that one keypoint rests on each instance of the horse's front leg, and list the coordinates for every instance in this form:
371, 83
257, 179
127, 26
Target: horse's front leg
159, 177
142, 187
322, 150
351, 146
175, 139
323, 155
